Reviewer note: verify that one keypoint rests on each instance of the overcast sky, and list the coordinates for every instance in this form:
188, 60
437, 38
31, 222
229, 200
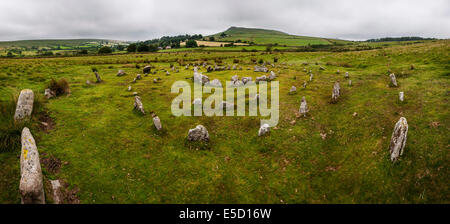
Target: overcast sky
147, 19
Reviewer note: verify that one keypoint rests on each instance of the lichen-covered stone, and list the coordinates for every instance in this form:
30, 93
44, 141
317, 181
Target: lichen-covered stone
49, 94
393, 80
138, 104
336, 92
303, 107
199, 133
265, 129
398, 140
31, 185
157, 122
97, 76
24, 106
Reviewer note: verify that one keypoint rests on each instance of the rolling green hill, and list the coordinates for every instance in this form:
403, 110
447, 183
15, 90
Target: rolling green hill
263, 37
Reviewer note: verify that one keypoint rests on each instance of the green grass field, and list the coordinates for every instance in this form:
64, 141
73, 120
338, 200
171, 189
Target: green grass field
113, 154
264, 37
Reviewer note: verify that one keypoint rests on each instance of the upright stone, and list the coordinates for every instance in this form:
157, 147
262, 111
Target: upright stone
401, 96
121, 73
293, 90
138, 104
347, 75
147, 69
57, 192
398, 140
31, 185
157, 122
24, 104
265, 129
303, 107
98, 77
349, 82
336, 92
393, 80
311, 77
199, 133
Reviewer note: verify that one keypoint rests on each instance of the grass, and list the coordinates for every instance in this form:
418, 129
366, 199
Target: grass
264, 37
115, 155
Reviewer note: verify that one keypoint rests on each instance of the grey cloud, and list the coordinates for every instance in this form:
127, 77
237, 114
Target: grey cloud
146, 19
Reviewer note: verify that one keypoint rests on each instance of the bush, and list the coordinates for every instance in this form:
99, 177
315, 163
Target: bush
131, 48
260, 61
212, 38
191, 44
60, 87
143, 48
105, 50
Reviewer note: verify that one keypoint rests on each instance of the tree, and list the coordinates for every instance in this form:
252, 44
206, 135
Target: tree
211, 38
105, 50
153, 48
131, 48
223, 35
191, 43
143, 48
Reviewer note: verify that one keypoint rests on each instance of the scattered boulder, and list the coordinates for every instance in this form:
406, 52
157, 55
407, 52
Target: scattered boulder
58, 197
199, 133
260, 69
88, 82
99, 80
234, 78
138, 104
215, 83
393, 80
24, 104
262, 78
155, 80
303, 107
336, 92
157, 122
321, 68
272, 76
147, 69
401, 96
245, 80
138, 77
134, 80
167, 73
31, 186
398, 140
293, 90
49, 94
265, 129
121, 73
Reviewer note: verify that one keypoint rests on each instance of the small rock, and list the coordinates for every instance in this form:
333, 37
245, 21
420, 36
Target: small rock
265, 129
199, 133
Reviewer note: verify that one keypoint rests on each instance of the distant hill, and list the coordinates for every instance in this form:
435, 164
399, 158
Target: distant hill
52, 43
264, 37
387, 39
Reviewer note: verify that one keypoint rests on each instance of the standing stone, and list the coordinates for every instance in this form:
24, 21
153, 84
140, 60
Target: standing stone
138, 104
31, 185
303, 107
293, 90
57, 192
347, 75
134, 80
129, 88
261, 79
121, 73
349, 82
272, 76
321, 68
336, 92
401, 96
245, 80
24, 104
99, 80
49, 94
265, 129
311, 77
138, 77
157, 122
198, 134
393, 80
235, 78
304, 84
398, 140
88, 82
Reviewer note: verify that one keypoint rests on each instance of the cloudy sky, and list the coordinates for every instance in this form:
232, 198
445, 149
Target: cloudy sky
147, 19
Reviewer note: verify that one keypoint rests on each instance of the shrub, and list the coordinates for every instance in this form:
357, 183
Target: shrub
105, 50
260, 61
60, 87
191, 44
143, 48
131, 48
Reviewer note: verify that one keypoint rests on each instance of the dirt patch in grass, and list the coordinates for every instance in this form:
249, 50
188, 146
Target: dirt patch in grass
46, 123
66, 195
51, 163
